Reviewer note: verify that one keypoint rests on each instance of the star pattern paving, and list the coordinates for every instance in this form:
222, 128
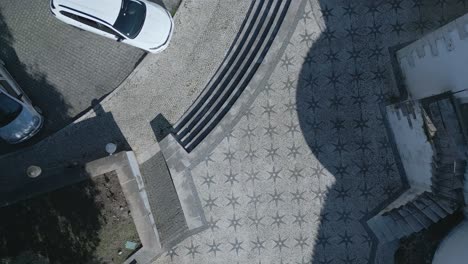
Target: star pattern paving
214, 247
258, 245
310, 157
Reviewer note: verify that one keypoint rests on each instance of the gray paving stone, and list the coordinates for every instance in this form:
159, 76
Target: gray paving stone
61, 68
317, 160
162, 196
310, 157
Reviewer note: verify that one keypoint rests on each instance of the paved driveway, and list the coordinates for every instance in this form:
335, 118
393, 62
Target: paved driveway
60, 67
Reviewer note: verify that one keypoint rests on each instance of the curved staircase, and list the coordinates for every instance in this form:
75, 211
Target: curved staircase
256, 35
449, 169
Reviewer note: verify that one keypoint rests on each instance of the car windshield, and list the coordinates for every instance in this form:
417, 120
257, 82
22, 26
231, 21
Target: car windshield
9, 109
131, 18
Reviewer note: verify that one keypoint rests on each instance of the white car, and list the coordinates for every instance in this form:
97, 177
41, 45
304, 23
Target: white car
19, 120
139, 23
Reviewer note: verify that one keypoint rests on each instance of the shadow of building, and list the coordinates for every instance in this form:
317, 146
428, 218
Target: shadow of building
345, 80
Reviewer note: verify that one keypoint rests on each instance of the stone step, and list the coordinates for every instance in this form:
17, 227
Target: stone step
228, 85
426, 210
447, 176
450, 116
453, 184
253, 14
440, 159
408, 217
203, 127
403, 221
445, 186
446, 137
406, 230
446, 118
450, 165
441, 176
396, 232
377, 228
379, 225
427, 199
444, 147
453, 195
447, 205
444, 175
419, 215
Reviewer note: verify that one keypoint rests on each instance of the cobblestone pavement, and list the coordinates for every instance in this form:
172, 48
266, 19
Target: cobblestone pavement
60, 67
311, 157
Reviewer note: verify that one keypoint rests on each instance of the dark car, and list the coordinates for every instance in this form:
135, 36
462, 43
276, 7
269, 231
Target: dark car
19, 120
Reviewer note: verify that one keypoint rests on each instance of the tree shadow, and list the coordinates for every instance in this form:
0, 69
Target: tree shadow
87, 222
58, 217
61, 226
345, 80
36, 87
59, 156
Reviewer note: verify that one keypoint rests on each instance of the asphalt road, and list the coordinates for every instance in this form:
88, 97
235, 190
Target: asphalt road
61, 68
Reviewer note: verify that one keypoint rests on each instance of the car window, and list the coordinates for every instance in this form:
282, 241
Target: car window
106, 29
89, 22
9, 89
131, 18
9, 109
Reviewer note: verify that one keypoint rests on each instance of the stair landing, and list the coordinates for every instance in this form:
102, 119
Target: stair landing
436, 63
406, 123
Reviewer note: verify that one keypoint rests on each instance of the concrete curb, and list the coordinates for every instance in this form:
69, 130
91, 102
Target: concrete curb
128, 172
177, 158
188, 199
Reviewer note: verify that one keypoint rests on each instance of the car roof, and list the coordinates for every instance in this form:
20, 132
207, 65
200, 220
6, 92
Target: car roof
106, 10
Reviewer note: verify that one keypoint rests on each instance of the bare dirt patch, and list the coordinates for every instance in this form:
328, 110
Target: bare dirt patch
88, 222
